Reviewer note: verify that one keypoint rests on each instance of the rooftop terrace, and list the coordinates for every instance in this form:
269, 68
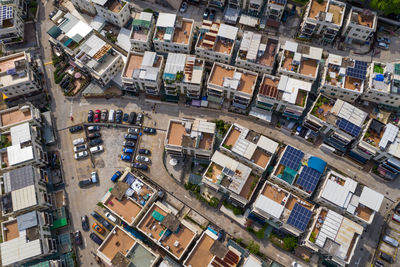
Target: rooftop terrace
114, 5
141, 26
126, 208
220, 72
150, 225
15, 116
201, 255
217, 37
9, 62
134, 62
176, 243
363, 17
117, 241
317, 7
180, 31
337, 12
142, 66
10, 230
322, 108
269, 87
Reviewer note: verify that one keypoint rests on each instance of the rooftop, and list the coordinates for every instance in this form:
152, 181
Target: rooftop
126, 208
269, 87
363, 17
112, 5
118, 241
13, 69
217, 37
385, 78
201, 255
329, 11
189, 66
141, 26
171, 28
142, 66
10, 230
317, 7
337, 12
7, 16
294, 91
21, 149
14, 116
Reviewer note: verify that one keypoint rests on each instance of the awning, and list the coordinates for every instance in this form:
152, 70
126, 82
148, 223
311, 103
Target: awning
54, 32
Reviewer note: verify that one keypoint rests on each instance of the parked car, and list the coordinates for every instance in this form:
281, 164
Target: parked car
98, 229
78, 141
97, 115
132, 117
90, 116
384, 39
76, 128
126, 158
52, 13
212, 14
397, 208
104, 114
111, 115
111, 217
206, 13
85, 223
94, 178
95, 142
295, 264
130, 137
127, 150
383, 45
396, 217
96, 238
94, 135
116, 176
101, 220
149, 130
80, 148
184, 7
96, 149
386, 257
128, 144
125, 117
133, 131
221, 235
140, 166
81, 155
391, 241
78, 238
118, 116
144, 151
92, 129
378, 263
142, 159
139, 119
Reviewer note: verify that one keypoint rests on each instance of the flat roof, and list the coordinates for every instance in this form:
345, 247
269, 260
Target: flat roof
166, 20
18, 178
349, 112
24, 198
126, 208
291, 88
178, 242
201, 255
220, 73
16, 152
117, 241
175, 132
317, 7
10, 230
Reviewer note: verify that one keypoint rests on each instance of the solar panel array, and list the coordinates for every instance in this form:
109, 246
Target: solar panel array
348, 127
299, 217
6, 12
359, 71
292, 158
308, 179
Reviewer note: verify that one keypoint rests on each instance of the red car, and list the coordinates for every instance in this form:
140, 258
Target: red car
97, 115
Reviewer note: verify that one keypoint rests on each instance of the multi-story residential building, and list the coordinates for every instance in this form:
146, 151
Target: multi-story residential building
116, 12
100, 59
25, 190
19, 75
233, 84
300, 61
85, 6
26, 237
334, 236
257, 53
142, 72
339, 122
274, 9
183, 75
344, 78
349, 198
249, 147
193, 138
217, 3
384, 85
209, 251
284, 95
323, 20
360, 25
173, 34
282, 210
250, 6
18, 115
172, 233
298, 172
142, 32
11, 22
216, 42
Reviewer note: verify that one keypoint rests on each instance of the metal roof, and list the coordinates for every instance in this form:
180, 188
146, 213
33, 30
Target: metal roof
349, 112
291, 86
23, 198
371, 198
175, 63
100, 2
166, 20
19, 249
27, 220
389, 136
18, 178
269, 206
227, 31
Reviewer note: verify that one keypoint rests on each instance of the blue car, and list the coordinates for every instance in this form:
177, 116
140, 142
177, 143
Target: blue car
127, 150
115, 177
140, 166
126, 158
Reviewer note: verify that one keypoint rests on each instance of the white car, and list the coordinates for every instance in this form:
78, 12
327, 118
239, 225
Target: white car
96, 149
110, 217
142, 159
295, 264
79, 148
81, 154
78, 141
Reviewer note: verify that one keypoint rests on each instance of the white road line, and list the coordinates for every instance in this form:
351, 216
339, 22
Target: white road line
72, 105
159, 142
84, 104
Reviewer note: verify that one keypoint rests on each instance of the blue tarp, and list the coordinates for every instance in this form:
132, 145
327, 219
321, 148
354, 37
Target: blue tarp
317, 164
379, 77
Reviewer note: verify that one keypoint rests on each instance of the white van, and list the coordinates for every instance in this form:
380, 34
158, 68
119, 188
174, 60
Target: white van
111, 115
96, 149
78, 141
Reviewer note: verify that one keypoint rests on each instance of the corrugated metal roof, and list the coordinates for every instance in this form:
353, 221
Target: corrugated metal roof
227, 31
335, 193
371, 199
390, 134
19, 178
269, 206
19, 249
27, 220
24, 197
349, 112
166, 20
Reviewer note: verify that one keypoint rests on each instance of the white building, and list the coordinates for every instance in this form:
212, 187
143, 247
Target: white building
300, 61
173, 34
19, 75
323, 20
100, 59
216, 42
142, 32
142, 72
257, 53
11, 22
360, 25
18, 115
253, 6
274, 9
85, 6
116, 12
183, 75
216, 3
384, 85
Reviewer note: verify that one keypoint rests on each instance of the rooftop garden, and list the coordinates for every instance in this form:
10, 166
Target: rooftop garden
378, 68
318, 109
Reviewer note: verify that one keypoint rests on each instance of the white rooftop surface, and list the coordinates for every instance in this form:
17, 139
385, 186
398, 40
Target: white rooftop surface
314, 52
291, 87
338, 194
147, 71
175, 63
394, 148
19, 249
166, 20
335, 59
23, 198
269, 206
203, 126
349, 112
251, 261
19, 134
93, 45
227, 31
98, 23
248, 20
123, 39
80, 28
100, 2
147, 16
224, 161
250, 43
389, 136
371, 199
290, 46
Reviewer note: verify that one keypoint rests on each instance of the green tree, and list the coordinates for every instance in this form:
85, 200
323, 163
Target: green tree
290, 242
387, 6
253, 247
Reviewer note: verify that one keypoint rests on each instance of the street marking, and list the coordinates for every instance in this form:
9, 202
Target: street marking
48, 63
84, 104
159, 142
72, 104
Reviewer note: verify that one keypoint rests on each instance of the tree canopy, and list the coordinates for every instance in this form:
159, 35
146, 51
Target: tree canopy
386, 6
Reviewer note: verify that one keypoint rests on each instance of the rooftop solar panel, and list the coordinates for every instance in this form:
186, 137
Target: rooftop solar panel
348, 127
359, 71
292, 158
308, 179
299, 217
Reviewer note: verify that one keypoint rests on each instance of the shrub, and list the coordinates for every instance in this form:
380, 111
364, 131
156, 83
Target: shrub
289, 243
253, 247
227, 146
214, 202
237, 211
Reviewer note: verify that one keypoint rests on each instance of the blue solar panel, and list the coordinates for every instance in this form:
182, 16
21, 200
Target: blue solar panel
299, 217
348, 127
359, 71
308, 179
292, 158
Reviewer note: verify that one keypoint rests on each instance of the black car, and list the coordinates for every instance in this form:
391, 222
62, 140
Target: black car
140, 166
128, 144
96, 238
75, 128
149, 130
139, 119
85, 223
85, 183
133, 131
94, 135
132, 117
206, 13
118, 116
90, 116
397, 208
144, 151
386, 257
125, 117
95, 142
378, 264
78, 238
101, 220
212, 15
221, 235
130, 137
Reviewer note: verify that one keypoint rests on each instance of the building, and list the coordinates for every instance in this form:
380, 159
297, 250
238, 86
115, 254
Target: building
116, 12
142, 32
257, 53
282, 210
100, 59
216, 42
190, 137
183, 75
25, 238
11, 22
323, 20
173, 34
18, 115
339, 122
19, 75
121, 249
231, 84
217, 3
208, 251
344, 78
130, 198
274, 10
142, 72
249, 147
384, 85
173, 234
251, 6
349, 198
333, 236
85, 6
360, 25
284, 95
